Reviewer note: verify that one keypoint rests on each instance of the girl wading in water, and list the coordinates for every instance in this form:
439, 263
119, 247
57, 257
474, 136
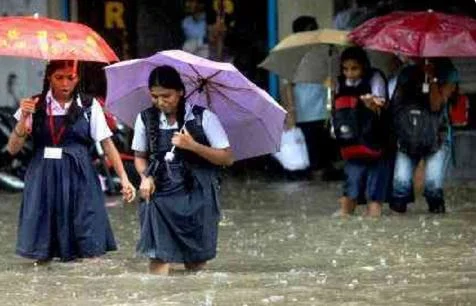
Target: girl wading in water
180, 214
63, 210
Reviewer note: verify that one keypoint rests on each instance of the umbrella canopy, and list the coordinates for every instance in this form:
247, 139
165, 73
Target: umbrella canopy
49, 39
253, 120
306, 56
419, 34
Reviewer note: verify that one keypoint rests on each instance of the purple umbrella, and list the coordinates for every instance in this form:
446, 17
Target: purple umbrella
253, 120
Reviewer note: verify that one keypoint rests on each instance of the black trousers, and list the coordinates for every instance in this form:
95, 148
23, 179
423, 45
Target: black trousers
321, 147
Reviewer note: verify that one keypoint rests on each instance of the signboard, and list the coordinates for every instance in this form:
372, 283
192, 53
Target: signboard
20, 77
114, 20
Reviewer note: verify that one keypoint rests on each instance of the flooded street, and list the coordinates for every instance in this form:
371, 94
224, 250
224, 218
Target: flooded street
278, 245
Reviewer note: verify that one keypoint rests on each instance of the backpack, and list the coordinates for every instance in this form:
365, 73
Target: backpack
459, 111
417, 130
355, 135
359, 132
415, 125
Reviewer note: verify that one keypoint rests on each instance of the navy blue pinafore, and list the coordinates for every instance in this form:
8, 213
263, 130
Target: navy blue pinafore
180, 223
63, 211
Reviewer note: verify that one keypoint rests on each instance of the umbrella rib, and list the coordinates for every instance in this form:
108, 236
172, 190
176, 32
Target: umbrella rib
245, 111
201, 76
227, 99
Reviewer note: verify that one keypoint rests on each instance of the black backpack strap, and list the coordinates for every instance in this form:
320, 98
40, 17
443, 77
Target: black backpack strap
151, 118
87, 103
197, 112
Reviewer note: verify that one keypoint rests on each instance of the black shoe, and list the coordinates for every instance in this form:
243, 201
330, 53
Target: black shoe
437, 207
398, 207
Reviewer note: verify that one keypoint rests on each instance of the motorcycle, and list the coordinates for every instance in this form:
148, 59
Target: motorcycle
12, 168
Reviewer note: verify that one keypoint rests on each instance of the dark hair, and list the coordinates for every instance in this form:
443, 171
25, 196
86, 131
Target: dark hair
305, 23
359, 55
168, 77
74, 110
445, 71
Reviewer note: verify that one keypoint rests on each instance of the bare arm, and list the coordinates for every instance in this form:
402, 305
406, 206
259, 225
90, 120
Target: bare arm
289, 105
113, 155
147, 185
436, 98
18, 137
141, 163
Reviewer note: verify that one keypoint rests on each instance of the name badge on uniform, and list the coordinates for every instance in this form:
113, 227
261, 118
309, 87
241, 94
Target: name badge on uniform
53, 153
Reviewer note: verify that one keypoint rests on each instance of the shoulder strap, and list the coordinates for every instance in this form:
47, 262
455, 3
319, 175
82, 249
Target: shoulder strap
87, 103
197, 112
150, 118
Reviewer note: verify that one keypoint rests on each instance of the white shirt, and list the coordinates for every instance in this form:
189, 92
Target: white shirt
98, 125
212, 127
377, 85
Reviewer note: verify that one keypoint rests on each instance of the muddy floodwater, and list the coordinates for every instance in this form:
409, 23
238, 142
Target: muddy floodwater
279, 244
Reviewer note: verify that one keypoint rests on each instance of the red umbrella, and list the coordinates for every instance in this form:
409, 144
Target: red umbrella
51, 39
420, 34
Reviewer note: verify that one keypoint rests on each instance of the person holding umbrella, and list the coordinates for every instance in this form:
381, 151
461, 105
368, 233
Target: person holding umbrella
306, 105
423, 130
62, 212
179, 217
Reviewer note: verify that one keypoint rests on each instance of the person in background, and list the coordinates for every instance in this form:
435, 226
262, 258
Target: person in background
306, 104
432, 143
369, 177
194, 27
63, 213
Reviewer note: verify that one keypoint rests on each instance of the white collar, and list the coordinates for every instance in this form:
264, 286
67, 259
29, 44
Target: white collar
352, 83
188, 116
51, 99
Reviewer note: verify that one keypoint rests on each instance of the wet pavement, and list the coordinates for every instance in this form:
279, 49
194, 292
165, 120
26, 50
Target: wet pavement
278, 245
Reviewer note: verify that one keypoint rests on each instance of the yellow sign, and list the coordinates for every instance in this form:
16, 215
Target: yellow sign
114, 15
228, 6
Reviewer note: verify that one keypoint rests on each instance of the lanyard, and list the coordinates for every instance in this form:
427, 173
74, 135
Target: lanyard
55, 136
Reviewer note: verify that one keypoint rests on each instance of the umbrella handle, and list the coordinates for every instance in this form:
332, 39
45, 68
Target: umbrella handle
426, 85
169, 156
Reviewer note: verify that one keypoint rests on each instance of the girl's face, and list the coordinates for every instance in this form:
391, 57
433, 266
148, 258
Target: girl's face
166, 99
352, 70
63, 81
